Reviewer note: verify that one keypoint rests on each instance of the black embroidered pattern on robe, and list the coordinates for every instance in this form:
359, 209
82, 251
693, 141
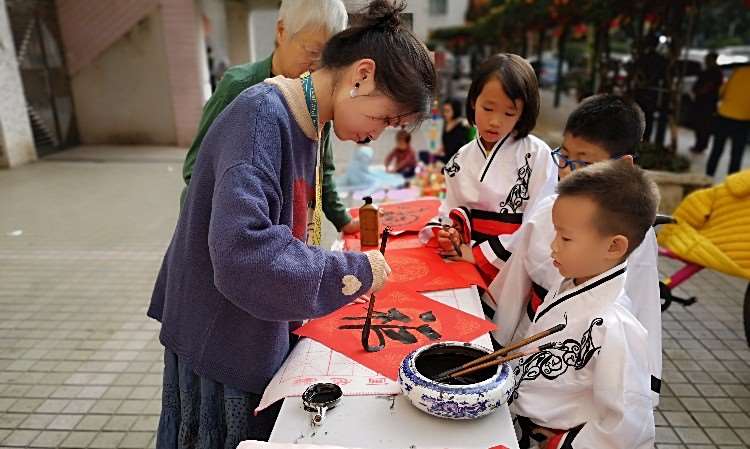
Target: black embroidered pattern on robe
554, 362
520, 191
452, 168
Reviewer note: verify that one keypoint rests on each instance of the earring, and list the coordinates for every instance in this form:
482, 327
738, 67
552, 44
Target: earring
353, 92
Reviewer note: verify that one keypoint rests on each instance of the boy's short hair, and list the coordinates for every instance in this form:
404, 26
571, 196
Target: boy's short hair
519, 83
610, 121
625, 197
404, 135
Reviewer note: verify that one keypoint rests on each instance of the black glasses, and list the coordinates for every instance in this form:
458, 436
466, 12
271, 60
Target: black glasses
562, 161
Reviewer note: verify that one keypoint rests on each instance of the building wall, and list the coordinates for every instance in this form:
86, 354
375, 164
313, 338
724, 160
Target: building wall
262, 32
217, 36
123, 96
187, 65
138, 69
423, 20
16, 140
89, 27
238, 29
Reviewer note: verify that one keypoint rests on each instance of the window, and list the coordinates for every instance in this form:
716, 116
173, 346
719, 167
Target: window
438, 7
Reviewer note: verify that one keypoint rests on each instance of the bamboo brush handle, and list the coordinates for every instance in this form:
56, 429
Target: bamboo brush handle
505, 350
495, 362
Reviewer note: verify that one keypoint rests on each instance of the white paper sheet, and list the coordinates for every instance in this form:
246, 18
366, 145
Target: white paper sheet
311, 362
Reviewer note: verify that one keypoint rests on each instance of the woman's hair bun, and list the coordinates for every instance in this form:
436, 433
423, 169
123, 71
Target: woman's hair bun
383, 14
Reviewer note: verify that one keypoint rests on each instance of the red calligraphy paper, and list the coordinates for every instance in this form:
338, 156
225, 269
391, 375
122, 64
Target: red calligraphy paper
408, 216
469, 273
465, 270
404, 321
421, 270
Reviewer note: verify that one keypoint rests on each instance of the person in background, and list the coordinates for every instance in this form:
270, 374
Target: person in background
649, 72
302, 30
706, 91
456, 130
733, 121
363, 179
402, 159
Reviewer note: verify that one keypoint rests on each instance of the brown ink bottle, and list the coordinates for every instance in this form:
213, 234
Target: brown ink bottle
369, 223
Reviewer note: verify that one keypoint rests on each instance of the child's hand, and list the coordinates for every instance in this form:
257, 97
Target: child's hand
467, 255
448, 239
352, 227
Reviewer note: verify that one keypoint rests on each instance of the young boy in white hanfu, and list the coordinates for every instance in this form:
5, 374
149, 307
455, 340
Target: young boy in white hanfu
601, 128
591, 389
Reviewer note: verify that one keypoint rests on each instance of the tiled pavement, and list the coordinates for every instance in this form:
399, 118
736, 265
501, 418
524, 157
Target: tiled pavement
80, 243
706, 400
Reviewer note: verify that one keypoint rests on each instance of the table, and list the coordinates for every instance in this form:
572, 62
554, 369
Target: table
392, 421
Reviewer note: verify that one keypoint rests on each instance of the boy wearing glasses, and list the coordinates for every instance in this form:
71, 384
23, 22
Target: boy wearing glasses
603, 127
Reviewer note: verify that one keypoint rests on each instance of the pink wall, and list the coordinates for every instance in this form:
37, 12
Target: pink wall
90, 27
181, 31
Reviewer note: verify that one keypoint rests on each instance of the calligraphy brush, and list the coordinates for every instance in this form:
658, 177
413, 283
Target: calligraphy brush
503, 351
496, 362
371, 305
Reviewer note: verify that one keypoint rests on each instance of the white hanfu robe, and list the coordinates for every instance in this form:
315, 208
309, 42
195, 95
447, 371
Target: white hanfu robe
490, 194
594, 383
529, 274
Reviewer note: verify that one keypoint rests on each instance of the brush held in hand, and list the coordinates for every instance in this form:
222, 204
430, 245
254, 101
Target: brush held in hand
371, 306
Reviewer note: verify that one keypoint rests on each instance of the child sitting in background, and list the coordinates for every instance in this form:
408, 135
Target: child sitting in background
402, 159
362, 179
591, 388
601, 128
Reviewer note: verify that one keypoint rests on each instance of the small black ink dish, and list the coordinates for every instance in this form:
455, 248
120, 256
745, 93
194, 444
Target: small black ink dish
319, 398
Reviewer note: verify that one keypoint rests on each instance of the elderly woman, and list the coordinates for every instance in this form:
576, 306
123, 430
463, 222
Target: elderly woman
302, 30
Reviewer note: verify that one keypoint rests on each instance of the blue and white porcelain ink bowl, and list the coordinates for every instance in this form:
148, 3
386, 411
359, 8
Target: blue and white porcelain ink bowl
480, 394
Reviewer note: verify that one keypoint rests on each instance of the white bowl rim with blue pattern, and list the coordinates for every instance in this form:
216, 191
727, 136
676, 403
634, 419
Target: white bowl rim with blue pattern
501, 376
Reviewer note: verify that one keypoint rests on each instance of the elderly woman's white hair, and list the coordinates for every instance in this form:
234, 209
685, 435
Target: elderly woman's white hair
330, 15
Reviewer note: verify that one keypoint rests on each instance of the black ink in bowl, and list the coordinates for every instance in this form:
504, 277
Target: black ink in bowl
432, 362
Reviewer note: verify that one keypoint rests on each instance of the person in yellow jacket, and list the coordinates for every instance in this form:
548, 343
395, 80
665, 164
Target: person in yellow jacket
733, 121
712, 227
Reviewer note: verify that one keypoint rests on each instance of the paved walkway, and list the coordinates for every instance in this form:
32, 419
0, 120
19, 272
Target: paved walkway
80, 243
81, 238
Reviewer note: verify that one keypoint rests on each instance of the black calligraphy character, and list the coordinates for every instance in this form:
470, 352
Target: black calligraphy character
384, 325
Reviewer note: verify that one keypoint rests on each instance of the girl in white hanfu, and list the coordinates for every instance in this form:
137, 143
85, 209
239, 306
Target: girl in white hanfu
494, 181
